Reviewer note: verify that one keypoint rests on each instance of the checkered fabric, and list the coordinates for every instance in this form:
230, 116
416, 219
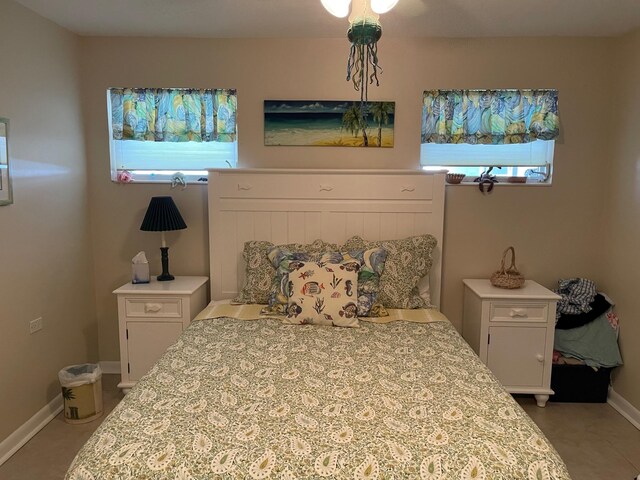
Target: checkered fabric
577, 294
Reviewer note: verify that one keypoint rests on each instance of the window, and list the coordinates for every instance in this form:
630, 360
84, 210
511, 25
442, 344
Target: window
532, 161
155, 134
469, 131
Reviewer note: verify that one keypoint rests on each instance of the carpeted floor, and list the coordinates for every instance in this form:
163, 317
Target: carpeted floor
593, 439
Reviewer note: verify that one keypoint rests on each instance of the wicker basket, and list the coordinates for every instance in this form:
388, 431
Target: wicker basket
454, 178
508, 277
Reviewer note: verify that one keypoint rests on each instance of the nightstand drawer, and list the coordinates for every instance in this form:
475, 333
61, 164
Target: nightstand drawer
516, 311
139, 307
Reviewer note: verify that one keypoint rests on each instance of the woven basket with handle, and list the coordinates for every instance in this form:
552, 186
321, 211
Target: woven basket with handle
508, 277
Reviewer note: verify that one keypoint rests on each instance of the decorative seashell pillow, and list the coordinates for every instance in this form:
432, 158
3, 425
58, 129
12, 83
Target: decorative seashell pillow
286, 261
323, 294
371, 263
260, 271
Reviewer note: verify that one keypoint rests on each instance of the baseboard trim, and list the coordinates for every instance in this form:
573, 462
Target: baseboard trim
27, 430
624, 408
110, 368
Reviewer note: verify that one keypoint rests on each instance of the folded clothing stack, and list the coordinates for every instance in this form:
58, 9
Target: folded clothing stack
586, 327
598, 306
586, 343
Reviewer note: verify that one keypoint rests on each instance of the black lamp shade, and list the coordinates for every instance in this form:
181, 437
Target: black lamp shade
162, 216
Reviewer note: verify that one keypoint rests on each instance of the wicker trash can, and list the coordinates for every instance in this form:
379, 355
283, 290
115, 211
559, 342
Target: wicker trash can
81, 392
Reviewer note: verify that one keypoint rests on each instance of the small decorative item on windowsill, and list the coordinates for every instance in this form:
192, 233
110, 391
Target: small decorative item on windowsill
517, 179
487, 179
508, 277
124, 176
454, 178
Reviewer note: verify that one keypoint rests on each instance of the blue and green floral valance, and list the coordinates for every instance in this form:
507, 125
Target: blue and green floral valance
489, 116
173, 115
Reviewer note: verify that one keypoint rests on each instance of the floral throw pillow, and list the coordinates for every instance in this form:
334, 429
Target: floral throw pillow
408, 260
372, 261
323, 294
260, 272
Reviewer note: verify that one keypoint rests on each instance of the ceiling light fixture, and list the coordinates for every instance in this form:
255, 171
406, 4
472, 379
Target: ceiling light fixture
364, 32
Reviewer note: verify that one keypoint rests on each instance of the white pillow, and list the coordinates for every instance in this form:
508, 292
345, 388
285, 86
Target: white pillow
424, 289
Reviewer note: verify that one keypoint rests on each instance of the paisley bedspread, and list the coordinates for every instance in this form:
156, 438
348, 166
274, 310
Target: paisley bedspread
257, 399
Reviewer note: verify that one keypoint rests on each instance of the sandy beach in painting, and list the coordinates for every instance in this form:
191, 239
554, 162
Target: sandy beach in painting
326, 138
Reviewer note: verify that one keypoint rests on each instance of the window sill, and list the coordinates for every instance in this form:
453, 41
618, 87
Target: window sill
156, 182
500, 184
188, 177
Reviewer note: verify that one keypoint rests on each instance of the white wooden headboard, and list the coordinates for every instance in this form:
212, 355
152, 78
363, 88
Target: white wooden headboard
285, 206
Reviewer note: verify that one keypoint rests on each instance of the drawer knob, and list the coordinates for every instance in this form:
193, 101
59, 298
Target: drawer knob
152, 307
518, 312
540, 358
408, 188
326, 188
244, 186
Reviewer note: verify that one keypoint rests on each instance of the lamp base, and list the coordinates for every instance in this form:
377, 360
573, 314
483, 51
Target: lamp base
164, 257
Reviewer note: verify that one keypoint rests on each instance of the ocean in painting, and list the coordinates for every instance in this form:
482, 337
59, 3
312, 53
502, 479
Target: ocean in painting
327, 123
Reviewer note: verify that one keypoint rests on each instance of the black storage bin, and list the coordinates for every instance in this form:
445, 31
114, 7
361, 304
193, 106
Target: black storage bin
579, 383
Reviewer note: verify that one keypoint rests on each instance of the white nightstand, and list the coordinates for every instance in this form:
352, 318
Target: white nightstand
151, 317
512, 333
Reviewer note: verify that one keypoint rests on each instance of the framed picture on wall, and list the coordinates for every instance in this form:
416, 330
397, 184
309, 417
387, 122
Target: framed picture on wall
328, 123
5, 180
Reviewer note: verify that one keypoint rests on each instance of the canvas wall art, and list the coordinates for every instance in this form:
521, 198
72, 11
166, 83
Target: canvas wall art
328, 123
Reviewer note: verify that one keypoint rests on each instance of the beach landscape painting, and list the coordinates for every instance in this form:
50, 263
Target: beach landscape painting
328, 123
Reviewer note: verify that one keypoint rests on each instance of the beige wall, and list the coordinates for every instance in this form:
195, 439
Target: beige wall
45, 259
47, 252
621, 260
551, 227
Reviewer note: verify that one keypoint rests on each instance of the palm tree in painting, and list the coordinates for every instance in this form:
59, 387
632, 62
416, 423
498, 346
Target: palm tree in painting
353, 121
380, 111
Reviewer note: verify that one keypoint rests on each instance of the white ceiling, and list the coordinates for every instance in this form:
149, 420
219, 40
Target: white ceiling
307, 18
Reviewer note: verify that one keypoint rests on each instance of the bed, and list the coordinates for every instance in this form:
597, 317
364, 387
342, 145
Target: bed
251, 397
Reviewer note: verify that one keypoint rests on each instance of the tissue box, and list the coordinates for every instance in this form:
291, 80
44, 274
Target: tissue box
139, 273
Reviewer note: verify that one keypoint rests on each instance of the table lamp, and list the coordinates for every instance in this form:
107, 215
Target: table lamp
163, 216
